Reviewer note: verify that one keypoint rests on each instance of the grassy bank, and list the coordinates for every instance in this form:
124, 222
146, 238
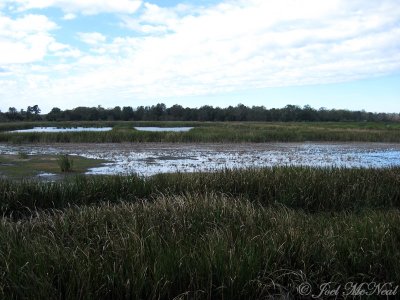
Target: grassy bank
309, 189
193, 247
209, 132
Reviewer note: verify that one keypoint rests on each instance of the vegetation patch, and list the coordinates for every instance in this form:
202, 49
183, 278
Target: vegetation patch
207, 132
193, 247
231, 234
65, 162
27, 166
310, 189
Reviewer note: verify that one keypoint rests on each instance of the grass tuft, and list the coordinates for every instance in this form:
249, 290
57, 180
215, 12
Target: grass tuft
23, 155
65, 163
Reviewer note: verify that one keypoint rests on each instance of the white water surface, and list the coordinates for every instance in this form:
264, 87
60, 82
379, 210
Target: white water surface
162, 129
57, 129
153, 158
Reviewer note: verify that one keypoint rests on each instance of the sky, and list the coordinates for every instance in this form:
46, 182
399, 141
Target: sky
331, 53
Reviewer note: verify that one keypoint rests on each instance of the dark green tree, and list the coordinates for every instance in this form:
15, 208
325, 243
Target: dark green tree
127, 113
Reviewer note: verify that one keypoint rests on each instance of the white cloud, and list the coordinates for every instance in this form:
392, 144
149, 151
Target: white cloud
254, 43
86, 7
25, 25
156, 19
25, 39
69, 16
91, 38
243, 44
63, 50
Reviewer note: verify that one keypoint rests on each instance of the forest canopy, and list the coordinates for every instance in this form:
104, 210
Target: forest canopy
160, 112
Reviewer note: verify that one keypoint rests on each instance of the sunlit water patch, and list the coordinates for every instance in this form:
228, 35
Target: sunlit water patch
150, 159
46, 174
57, 129
162, 129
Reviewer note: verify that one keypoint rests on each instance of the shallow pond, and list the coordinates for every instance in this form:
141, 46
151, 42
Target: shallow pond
56, 129
153, 158
162, 129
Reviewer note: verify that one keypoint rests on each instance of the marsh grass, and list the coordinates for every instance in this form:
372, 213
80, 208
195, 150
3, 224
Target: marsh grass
309, 189
202, 246
230, 234
23, 155
65, 162
208, 132
16, 168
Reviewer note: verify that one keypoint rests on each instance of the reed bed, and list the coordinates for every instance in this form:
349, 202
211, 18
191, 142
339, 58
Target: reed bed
208, 132
229, 234
306, 188
192, 247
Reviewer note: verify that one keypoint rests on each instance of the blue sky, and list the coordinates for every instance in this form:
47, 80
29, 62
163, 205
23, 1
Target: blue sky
69, 53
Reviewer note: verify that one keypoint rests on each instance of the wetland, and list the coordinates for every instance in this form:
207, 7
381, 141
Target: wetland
224, 210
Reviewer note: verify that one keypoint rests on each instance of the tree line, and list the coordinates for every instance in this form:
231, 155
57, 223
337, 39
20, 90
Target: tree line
160, 112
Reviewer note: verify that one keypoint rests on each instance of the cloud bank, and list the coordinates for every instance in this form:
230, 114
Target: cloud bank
86, 7
189, 50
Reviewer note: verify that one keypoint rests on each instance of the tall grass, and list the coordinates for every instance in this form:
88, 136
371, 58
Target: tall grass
309, 189
23, 155
230, 234
192, 247
65, 163
212, 132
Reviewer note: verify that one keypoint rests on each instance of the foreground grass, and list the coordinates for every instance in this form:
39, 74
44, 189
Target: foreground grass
309, 189
232, 234
209, 132
192, 247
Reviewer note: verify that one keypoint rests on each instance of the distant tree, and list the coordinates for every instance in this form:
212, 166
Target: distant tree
290, 113
257, 113
12, 111
241, 112
205, 113
127, 113
176, 113
3, 117
54, 115
158, 111
28, 113
308, 114
230, 113
140, 113
32, 112
115, 114
219, 114
101, 112
36, 110
12, 114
